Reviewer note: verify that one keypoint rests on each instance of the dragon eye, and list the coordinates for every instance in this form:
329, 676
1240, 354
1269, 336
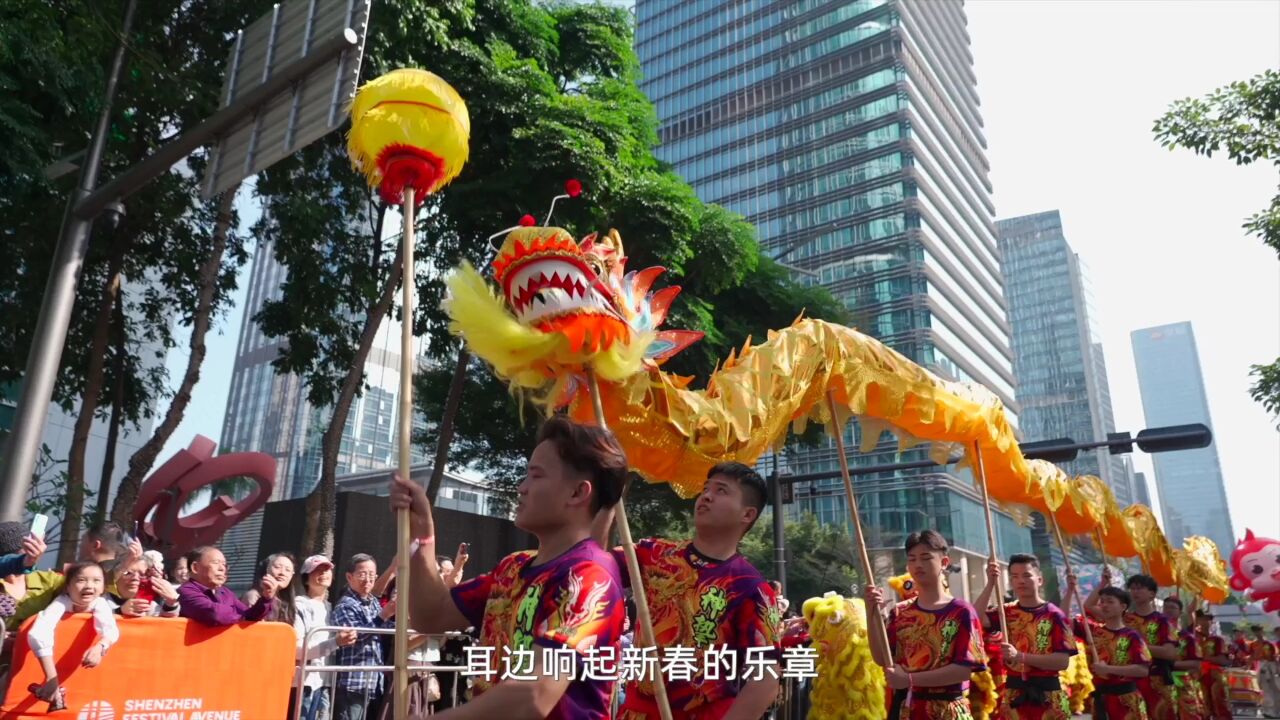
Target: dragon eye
596, 266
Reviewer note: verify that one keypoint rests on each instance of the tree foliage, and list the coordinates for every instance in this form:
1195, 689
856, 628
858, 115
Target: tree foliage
819, 557
552, 94
589, 120
1241, 119
53, 62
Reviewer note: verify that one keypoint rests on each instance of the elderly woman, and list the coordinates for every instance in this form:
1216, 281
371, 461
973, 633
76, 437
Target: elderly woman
142, 591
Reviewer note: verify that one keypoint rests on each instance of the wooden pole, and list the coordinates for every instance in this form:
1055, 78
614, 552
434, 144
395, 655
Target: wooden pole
1066, 560
643, 619
401, 676
1097, 538
981, 470
860, 542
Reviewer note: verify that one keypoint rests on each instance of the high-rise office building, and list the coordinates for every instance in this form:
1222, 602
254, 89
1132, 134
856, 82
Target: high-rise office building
59, 430
1193, 499
1141, 493
849, 134
269, 412
1062, 376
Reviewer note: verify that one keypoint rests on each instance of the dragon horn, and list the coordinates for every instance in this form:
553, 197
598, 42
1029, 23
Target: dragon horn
661, 303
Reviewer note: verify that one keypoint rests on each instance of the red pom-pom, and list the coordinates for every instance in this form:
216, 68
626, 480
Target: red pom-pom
405, 166
527, 221
573, 188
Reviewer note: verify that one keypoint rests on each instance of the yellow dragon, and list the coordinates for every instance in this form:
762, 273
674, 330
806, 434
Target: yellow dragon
562, 309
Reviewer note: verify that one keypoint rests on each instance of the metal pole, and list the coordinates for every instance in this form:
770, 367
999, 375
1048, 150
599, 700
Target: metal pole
779, 534
45, 355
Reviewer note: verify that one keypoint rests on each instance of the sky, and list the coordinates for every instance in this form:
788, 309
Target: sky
1069, 93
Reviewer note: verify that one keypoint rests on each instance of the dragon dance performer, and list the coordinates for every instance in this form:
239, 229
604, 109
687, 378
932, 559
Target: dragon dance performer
935, 640
1158, 689
1189, 693
985, 685
566, 595
1241, 649
1123, 658
1212, 649
703, 593
1039, 646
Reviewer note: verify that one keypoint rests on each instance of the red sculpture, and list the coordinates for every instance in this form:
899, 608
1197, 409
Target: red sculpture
187, 472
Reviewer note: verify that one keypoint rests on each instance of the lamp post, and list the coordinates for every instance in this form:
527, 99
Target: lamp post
1151, 440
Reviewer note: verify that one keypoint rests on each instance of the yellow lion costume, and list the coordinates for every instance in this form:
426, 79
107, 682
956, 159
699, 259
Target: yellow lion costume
1077, 680
850, 685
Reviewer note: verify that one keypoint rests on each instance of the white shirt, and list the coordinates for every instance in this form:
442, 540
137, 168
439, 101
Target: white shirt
310, 613
40, 638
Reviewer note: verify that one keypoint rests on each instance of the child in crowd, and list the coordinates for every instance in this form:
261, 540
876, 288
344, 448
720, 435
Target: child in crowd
85, 586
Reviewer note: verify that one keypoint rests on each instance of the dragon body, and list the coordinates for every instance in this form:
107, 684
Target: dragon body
564, 309
560, 313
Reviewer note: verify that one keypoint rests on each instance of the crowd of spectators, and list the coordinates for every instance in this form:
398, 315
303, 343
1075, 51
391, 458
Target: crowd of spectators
115, 580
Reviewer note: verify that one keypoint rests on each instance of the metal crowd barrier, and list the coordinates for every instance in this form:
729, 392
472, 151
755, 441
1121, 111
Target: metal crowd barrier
792, 704
295, 712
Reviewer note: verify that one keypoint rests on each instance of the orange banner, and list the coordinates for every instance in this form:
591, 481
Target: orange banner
162, 669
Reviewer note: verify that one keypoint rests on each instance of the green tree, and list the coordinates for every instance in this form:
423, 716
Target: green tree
820, 557
141, 281
1241, 119
552, 95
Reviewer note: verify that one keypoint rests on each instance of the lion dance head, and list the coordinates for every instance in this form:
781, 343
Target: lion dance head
850, 685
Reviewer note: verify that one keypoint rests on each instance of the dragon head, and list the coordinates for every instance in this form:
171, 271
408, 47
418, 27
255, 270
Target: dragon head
554, 286
565, 305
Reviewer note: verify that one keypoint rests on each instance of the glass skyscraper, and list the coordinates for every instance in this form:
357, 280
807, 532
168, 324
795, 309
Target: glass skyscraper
269, 412
1193, 500
849, 134
1062, 375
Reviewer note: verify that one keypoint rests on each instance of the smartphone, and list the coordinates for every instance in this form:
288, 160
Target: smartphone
39, 524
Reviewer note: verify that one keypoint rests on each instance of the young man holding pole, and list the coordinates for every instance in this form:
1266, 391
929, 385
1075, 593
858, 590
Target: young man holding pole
705, 595
536, 606
1162, 640
1186, 669
935, 640
1213, 652
1123, 658
1158, 687
1039, 646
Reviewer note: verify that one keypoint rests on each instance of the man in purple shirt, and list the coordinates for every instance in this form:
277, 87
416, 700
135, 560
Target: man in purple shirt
204, 598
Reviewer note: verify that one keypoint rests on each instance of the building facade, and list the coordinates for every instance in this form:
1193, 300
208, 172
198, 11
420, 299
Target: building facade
1063, 390
1142, 493
849, 134
269, 411
59, 431
1193, 499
